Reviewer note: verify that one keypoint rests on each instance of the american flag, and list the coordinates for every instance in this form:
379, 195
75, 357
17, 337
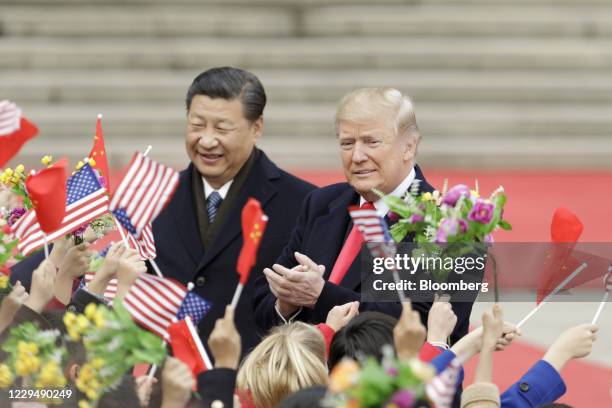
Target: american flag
10, 117
374, 230
86, 200
441, 389
144, 244
143, 192
154, 302
195, 307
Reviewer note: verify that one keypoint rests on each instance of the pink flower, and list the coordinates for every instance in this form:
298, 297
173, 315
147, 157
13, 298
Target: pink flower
454, 194
402, 399
482, 212
414, 218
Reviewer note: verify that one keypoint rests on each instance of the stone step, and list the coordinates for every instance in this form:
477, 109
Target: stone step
319, 53
414, 20
297, 121
308, 3
159, 21
107, 87
511, 152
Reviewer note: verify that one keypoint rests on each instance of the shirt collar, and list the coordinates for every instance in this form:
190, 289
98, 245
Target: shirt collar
399, 191
222, 191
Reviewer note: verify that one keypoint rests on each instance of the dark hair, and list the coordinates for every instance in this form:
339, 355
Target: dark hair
230, 83
305, 398
364, 335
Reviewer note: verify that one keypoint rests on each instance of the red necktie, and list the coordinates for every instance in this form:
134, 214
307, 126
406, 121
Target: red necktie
349, 251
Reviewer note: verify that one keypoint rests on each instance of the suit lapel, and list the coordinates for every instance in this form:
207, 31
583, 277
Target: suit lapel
184, 216
257, 185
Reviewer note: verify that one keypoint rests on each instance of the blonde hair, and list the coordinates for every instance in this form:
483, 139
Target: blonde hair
365, 104
290, 358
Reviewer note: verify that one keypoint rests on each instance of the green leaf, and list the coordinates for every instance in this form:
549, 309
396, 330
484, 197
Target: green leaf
503, 224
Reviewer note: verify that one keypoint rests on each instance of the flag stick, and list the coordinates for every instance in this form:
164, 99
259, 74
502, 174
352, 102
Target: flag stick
400, 292
46, 246
198, 343
600, 308
156, 268
237, 294
554, 292
148, 149
123, 237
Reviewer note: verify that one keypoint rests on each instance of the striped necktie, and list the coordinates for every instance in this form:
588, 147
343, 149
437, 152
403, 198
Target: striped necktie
212, 205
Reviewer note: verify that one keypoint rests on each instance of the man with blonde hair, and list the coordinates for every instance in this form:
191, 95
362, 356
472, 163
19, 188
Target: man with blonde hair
320, 266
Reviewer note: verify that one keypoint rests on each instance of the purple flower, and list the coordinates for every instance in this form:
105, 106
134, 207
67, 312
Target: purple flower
392, 371
15, 214
454, 194
463, 225
414, 218
80, 231
489, 239
393, 217
449, 227
402, 399
482, 212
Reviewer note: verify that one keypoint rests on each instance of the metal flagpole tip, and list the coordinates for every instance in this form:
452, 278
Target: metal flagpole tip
190, 286
264, 217
99, 116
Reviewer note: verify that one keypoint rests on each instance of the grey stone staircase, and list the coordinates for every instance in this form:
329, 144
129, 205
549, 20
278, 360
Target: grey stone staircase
496, 84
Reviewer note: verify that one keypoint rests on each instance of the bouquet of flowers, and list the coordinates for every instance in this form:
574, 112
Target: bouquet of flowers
450, 224
390, 384
114, 344
35, 355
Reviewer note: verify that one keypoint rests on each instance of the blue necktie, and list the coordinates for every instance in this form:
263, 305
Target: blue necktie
212, 205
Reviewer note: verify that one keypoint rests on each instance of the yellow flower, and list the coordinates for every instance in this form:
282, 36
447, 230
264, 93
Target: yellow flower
8, 172
92, 395
98, 362
99, 319
82, 323
20, 168
426, 196
90, 310
46, 160
74, 334
84, 404
69, 319
6, 377
79, 165
4, 281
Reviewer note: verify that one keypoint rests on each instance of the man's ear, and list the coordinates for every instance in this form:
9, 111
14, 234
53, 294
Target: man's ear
410, 147
73, 372
257, 128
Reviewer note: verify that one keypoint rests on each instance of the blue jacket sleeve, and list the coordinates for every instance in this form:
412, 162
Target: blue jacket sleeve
541, 385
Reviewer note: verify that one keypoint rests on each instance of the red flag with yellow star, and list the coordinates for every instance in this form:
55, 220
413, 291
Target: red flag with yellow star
254, 223
98, 154
47, 190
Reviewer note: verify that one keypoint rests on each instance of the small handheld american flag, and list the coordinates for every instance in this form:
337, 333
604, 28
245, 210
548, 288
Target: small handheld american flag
86, 200
143, 193
376, 235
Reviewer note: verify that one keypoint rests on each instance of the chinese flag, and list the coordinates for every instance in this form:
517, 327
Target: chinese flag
253, 226
15, 131
565, 229
98, 153
187, 346
47, 190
